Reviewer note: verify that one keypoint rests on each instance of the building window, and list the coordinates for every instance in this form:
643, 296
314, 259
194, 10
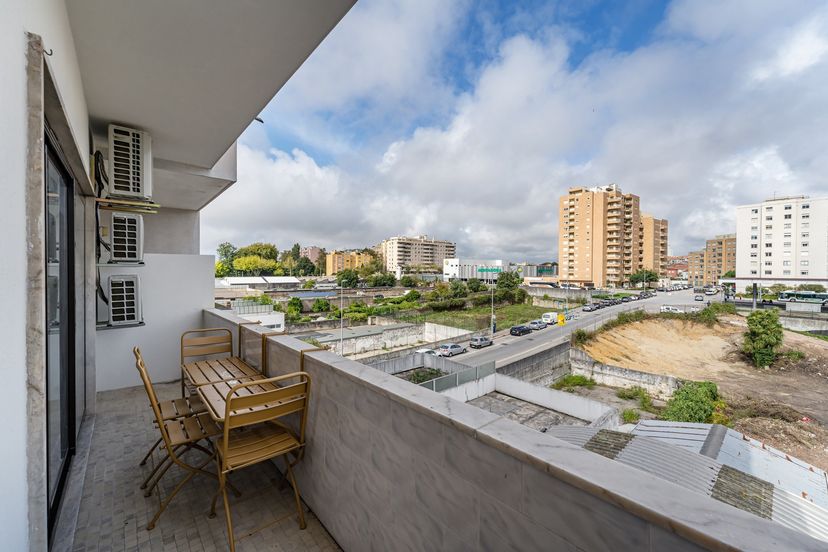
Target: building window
768, 236
754, 228
786, 263
787, 235
786, 244
754, 246
754, 237
769, 208
786, 272
806, 206
754, 211
753, 272
787, 207
753, 254
803, 263
787, 226
768, 272
804, 234
806, 216
804, 244
768, 245
803, 272
787, 216
768, 263
768, 254
769, 227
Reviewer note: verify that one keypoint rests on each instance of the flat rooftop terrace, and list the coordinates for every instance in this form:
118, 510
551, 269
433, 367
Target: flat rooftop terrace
529, 414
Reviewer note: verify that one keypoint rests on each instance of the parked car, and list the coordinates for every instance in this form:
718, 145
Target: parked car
551, 318
480, 341
450, 349
426, 351
537, 325
671, 308
626, 299
589, 308
520, 330
698, 298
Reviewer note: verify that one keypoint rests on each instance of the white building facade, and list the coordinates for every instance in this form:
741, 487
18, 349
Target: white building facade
401, 251
782, 241
465, 269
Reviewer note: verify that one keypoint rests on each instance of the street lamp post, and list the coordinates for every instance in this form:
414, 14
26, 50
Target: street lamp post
341, 319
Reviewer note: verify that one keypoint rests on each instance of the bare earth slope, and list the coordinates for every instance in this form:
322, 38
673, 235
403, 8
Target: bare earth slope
697, 352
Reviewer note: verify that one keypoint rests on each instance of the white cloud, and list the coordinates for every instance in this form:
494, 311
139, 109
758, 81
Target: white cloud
680, 122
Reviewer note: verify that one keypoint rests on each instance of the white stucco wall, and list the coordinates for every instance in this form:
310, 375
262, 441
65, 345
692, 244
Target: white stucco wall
48, 19
175, 290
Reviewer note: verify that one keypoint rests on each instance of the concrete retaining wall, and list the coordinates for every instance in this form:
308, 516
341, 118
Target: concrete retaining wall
615, 376
390, 465
542, 368
419, 360
803, 324
411, 336
571, 294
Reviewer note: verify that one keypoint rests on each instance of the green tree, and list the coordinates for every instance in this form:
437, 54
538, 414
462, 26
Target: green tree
412, 295
305, 267
294, 251
408, 281
259, 249
441, 292
223, 269
253, 264
729, 274
458, 289
289, 263
382, 279
309, 284
776, 289
508, 280
816, 288
475, 285
320, 262
644, 276
295, 304
226, 253
321, 305
347, 278
371, 267
763, 338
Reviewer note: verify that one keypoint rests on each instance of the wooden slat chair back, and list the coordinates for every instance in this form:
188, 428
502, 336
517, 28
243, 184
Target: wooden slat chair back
258, 407
178, 435
205, 342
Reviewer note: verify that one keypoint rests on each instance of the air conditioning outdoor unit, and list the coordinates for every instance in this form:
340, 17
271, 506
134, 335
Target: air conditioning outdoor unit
130, 163
125, 238
124, 300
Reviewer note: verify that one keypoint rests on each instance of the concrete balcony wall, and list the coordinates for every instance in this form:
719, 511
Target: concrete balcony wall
393, 466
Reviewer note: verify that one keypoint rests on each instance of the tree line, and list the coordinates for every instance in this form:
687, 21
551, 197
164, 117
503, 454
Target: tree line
265, 259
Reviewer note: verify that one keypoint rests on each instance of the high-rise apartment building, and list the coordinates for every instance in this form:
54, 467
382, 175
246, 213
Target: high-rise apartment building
602, 237
653, 243
719, 258
336, 261
311, 252
695, 268
783, 241
401, 251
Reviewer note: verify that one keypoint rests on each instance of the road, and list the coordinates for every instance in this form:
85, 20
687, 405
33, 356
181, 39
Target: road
508, 349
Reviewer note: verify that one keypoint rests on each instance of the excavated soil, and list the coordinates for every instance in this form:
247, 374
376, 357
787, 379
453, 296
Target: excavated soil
698, 352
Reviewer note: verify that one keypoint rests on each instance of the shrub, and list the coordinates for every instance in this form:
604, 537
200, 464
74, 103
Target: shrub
321, 305
475, 285
412, 295
630, 416
356, 316
295, 303
480, 300
570, 381
580, 337
408, 281
422, 375
695, 402
449, 304
763, 338
794, 355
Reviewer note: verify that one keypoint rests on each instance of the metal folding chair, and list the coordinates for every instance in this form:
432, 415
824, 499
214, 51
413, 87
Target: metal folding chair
257, 407
178, 436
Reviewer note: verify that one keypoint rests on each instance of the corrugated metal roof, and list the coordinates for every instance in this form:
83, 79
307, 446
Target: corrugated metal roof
281, 279
683, 465
735, 449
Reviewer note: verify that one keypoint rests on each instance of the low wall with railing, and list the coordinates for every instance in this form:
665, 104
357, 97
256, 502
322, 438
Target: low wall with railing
389, 465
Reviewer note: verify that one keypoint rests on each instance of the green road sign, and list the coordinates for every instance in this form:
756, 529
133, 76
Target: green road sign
489, 269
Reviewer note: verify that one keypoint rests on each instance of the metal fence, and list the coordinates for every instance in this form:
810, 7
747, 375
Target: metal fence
246, 306
459, 378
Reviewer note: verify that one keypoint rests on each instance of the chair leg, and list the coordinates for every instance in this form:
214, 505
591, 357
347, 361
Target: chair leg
166, 501
227, 516
157, 467
149, 453
292, 480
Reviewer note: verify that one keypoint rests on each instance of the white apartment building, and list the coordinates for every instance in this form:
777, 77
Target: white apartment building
466, 269
782, 241
402, 251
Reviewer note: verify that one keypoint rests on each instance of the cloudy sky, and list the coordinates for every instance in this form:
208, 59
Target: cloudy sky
467, 120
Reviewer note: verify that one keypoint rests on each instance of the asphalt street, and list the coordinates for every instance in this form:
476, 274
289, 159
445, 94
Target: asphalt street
507, 348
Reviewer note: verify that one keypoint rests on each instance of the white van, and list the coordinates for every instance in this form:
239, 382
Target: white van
551, 318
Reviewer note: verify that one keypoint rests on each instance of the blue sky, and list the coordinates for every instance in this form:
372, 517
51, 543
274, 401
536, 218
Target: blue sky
466, 120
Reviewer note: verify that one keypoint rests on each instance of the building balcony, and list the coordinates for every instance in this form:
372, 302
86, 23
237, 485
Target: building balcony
381, 450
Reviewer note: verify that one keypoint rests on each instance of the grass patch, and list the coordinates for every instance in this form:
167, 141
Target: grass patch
809, 334
422, 375
630, 416
793, 355
478, 318
569, 382
699, 402
645, 402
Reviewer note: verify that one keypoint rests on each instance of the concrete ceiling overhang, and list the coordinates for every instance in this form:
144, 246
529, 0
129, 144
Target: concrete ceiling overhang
194, 73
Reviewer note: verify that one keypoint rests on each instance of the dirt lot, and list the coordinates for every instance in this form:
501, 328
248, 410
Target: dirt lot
768, 404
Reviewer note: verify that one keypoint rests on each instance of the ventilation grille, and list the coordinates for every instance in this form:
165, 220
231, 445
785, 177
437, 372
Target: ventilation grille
126, 238
124, 300
126, 173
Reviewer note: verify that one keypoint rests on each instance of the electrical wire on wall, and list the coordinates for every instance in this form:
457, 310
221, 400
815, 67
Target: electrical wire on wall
101, 181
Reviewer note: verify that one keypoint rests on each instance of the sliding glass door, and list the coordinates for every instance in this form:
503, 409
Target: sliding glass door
60, 354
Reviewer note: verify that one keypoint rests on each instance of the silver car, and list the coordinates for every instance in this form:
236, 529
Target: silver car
480, 342
537, 324
450, 349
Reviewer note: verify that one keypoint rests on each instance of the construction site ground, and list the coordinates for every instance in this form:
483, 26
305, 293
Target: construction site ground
785, 405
